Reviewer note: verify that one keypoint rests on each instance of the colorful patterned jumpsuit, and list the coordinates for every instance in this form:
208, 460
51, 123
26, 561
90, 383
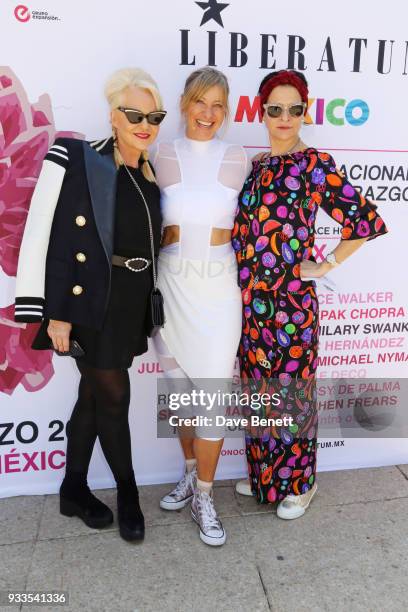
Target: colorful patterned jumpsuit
274, 231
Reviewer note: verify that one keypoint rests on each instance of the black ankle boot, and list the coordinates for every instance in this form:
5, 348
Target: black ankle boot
130, 516
76, 499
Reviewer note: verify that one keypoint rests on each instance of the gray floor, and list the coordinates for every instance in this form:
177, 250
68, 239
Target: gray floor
348, 553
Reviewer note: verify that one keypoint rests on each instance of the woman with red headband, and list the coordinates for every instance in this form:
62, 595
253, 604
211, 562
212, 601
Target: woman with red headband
273, 238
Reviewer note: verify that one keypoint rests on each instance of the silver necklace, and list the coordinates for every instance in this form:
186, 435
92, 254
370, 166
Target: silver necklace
291, 150
148, 217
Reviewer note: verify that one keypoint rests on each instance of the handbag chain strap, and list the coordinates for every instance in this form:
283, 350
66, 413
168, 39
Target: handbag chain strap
148, 217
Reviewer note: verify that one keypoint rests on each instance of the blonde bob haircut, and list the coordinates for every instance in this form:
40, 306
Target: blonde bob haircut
199, 82
114, 89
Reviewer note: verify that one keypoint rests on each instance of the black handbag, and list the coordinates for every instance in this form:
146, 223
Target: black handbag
157, 307
155, 311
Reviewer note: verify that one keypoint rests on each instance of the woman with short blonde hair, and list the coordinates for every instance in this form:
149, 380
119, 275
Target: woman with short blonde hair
86, 264
115, 87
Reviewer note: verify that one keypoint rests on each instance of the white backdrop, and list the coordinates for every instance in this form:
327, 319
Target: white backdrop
57, 56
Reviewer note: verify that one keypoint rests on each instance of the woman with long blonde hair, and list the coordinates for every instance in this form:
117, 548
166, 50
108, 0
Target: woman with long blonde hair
200, 176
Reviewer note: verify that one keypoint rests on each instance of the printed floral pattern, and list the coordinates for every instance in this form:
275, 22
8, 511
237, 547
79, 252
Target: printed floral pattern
26, 132
19, 363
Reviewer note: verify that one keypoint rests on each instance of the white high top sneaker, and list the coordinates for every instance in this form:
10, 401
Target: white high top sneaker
205, 515
182, 494
294, 506
243, 487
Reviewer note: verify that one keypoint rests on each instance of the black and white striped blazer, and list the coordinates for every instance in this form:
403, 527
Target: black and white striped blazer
64, 266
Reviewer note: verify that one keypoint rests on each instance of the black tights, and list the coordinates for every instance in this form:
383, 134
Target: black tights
102, 410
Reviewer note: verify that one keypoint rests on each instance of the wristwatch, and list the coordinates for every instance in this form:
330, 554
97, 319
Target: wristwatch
331, 259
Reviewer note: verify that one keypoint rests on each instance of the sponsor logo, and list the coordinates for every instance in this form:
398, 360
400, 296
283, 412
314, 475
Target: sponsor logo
22, 13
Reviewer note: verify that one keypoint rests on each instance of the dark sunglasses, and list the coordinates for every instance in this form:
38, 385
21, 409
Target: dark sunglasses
276, 110
136, 116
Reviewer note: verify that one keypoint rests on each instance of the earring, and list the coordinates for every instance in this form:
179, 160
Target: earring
115, 137
116, 154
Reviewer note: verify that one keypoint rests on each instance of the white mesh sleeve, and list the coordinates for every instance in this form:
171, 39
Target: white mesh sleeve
166, 165
234, 167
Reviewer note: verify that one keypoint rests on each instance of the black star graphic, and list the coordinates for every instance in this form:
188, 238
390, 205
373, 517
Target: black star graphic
212, 10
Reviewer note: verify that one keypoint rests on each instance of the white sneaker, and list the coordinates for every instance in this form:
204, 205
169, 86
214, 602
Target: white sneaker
243, 487
182, 494
204, 514
294, 506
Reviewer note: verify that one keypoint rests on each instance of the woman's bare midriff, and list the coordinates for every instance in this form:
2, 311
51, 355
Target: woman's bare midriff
219, 236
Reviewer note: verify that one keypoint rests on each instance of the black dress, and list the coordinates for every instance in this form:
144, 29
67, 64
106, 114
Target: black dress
124, 331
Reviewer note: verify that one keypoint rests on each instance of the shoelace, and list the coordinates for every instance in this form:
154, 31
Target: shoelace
209, 514
183, 484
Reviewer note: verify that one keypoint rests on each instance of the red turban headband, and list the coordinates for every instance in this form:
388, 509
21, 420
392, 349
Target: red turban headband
284, 77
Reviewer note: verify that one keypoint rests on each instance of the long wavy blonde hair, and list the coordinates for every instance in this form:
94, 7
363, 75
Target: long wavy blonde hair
114, 88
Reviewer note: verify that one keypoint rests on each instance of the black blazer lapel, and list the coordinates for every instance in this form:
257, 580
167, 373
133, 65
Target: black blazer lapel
101, 175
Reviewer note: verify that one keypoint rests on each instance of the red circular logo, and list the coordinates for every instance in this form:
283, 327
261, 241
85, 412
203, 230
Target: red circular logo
22, 13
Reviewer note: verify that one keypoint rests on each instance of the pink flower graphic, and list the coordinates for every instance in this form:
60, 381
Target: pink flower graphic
18, 362
26, 133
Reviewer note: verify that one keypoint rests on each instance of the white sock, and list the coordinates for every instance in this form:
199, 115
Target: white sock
190, 465
203, 486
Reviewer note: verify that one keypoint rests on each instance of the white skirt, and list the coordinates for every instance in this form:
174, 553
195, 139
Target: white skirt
202, 305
